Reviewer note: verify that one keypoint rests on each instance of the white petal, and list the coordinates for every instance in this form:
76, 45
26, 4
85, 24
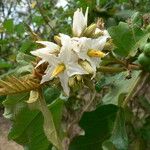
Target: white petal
49, 48
64, 39
52, 47
64, 82
40, 62
98, 43
40, 51
47, 76
79, 22
86, 15
74, 69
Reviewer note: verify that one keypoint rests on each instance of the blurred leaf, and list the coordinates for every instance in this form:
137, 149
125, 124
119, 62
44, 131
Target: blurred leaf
27, 128
9, 25
127, 38
38, 20
51, 93
13, 104
119, 136
136, 19
145, 131
144, 102
25, 63
24, 59
19, 28
27, 46
5, 65
107, 145
97, 125
119, 86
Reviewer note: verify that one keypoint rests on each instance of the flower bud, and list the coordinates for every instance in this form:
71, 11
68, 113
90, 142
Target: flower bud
57, 39
89, 30
78, 77
97, 34
85, 65
109, 45
71, 81
34, 96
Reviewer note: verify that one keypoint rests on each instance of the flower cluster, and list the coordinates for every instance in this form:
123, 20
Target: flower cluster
77, 55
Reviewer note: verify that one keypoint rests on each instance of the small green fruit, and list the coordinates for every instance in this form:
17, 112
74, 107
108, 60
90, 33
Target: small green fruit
147, 49
144, 60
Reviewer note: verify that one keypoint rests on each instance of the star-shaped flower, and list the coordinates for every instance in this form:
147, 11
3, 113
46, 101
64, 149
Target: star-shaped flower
90, 49
63, 66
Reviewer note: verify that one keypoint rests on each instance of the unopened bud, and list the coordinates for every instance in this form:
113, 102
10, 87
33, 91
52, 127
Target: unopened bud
78, 77
34, 96
85, 65
71, 81
98, 34
109, 45
57, 39
89, 30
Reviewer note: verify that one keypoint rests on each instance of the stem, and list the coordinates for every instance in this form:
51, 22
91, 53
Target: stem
111, 69
133, 88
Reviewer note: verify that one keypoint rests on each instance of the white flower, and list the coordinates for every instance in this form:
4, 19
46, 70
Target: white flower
49, 48
63, 66
84, 47
79, 22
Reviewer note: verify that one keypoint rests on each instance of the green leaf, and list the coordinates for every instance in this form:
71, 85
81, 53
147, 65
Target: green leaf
19, 28
13, 104
25, 63
27, 128
107, 145
97, 126
127, 38
119, 136
119, 87
136, 19
145, 131
38, 20
5, 65
9, 26
27, 46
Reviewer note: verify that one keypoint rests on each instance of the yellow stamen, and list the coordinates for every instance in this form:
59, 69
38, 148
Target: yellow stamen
95, 53
60, 68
